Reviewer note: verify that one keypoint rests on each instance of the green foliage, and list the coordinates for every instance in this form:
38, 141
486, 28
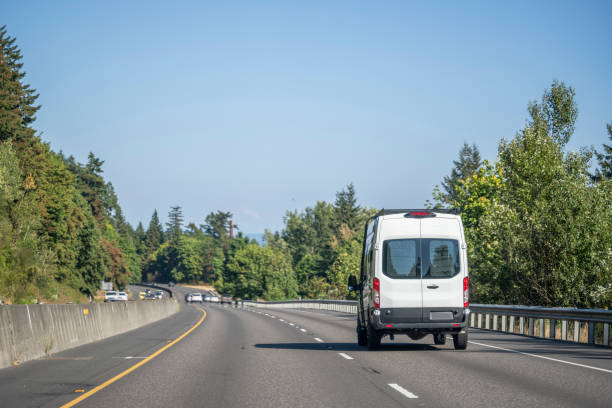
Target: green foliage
469, 161
61, 228
539, 232
604, 160
217, 225
255, 272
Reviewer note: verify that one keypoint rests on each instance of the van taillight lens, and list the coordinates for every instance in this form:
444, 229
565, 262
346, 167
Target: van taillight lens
376, 293
466, 291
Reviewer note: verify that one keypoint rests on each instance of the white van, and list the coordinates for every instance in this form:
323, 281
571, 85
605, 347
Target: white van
414, 277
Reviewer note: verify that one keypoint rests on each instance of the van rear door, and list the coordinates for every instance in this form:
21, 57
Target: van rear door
442, 269
401, 299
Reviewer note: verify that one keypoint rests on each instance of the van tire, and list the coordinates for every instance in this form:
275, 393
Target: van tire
362, 336
373, 338
460, 340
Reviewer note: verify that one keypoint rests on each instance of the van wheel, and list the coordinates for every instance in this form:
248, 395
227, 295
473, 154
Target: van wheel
460, 340
439, 338
362, 336
373, 338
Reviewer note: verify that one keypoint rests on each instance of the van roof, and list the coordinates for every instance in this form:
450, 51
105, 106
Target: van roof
451, 211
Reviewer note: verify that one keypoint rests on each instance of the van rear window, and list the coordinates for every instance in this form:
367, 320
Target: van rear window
409, 258
400, 258
442, 260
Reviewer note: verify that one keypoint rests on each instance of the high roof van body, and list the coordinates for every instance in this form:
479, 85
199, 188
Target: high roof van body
414, 277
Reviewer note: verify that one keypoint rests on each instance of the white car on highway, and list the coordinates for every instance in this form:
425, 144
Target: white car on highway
194, 297
114, 296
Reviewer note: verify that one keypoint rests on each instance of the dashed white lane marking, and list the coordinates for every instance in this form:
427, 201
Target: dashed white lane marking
346, 356
304, 330
272, 316
267, 314
281, 320
402, 391
544, 357
318, 339
291, 324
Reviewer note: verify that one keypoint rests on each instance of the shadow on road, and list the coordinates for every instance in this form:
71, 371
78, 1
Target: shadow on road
344, 346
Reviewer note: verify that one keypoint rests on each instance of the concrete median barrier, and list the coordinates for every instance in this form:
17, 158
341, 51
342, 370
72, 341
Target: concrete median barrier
28, 332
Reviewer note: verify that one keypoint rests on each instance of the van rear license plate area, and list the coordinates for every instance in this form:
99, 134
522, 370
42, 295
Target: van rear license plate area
441, 316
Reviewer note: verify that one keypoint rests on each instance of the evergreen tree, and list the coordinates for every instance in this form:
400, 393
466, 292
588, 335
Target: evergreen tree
139, 238
604, 159
469, 161
175, 222
347, 210
154, 236
17, 109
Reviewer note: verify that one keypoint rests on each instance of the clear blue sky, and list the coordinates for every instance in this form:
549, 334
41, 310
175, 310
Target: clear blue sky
257, 107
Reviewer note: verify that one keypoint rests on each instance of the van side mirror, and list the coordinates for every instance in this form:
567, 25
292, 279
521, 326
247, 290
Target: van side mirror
352, 283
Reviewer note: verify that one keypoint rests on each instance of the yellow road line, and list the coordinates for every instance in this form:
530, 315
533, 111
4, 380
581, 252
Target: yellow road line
134, 367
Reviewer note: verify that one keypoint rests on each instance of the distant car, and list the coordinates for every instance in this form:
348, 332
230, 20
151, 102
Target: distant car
196, 297
207, 298
122, 296
171, 284
226, 299
141, 295
111, 296
214, 299
159, 294
150, 296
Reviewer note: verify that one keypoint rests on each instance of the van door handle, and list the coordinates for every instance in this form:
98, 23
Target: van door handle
434, 286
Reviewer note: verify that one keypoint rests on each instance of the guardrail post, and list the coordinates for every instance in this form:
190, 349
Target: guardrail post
606, 334
577, 331
504, 323
553, 329
480, 320
591, 332
563, 329
487, 321
511, 324
542, 331
532, 327
522, 324
472, 319
494, 322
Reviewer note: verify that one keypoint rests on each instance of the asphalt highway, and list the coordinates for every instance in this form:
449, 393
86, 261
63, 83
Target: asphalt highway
290, 358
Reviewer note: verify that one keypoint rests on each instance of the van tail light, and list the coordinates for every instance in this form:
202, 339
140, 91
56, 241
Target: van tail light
466, 292
376, 293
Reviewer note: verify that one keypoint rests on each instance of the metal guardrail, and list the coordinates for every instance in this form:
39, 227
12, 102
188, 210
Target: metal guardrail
346, 306
577, 325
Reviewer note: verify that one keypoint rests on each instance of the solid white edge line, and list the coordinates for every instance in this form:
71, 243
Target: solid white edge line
402, 391
318, 339
544, 357
346, 356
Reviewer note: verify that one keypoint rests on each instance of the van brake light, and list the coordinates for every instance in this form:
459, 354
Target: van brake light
420, 214
466, 291
376, 293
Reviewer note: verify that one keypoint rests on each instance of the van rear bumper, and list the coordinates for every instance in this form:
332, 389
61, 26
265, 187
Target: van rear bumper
378, 325
381, 323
